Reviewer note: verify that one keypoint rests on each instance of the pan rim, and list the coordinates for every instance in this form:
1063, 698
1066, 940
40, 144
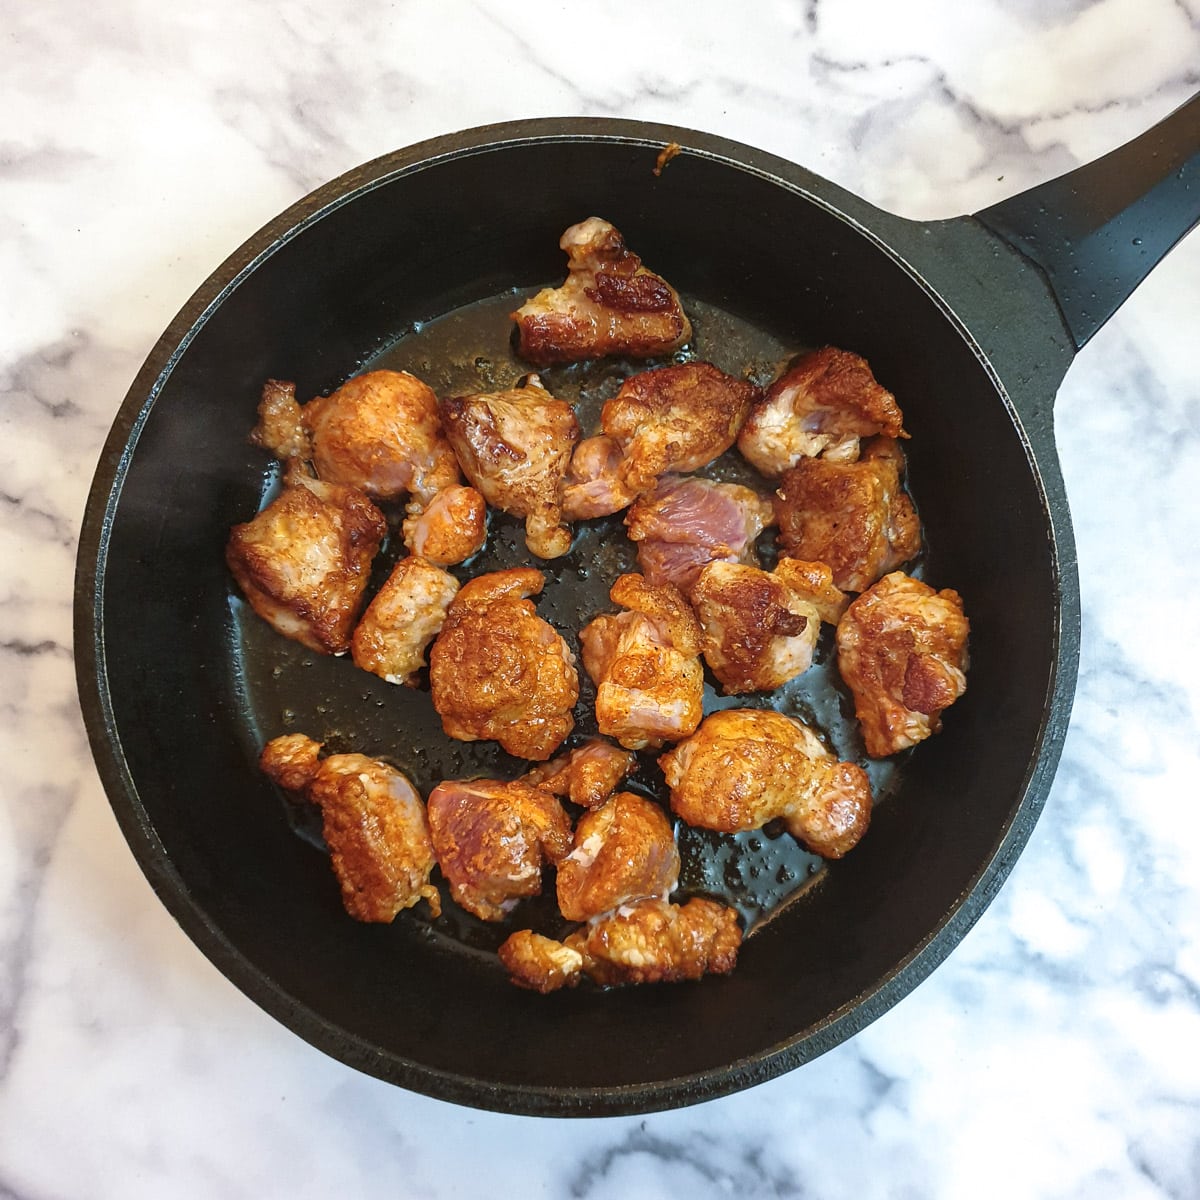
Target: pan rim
134, 820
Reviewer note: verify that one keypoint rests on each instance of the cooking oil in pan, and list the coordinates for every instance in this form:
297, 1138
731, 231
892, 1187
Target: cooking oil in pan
286, 688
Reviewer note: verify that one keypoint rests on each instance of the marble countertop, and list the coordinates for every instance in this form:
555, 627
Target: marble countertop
1056, 1053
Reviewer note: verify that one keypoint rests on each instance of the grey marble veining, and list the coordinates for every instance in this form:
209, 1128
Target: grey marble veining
1056, 1053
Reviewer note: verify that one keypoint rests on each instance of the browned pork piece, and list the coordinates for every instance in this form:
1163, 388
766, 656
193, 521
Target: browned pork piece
540, 963
515, 447
675, 419
759, 629
492, 840
822, 406
304, 561
854, 516
587, 775
744, 767
651, 941
450, 529
686, 523
609, 304
281, 428
498, 671
405, 615
623, 851
813, 582
645, 664
380, 432
374, 821
594, 486
902, 650
756, 633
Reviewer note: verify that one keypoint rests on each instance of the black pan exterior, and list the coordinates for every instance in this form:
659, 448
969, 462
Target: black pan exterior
413, 236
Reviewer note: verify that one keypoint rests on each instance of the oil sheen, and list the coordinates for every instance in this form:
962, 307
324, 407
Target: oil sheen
283, 687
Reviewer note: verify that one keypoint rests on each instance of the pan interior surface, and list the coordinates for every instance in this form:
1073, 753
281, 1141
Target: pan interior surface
194, 685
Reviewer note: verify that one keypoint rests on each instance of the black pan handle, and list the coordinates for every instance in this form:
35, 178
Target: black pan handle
1099, 230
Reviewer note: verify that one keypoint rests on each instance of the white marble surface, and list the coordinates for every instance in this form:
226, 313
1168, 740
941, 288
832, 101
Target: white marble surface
1056, 1053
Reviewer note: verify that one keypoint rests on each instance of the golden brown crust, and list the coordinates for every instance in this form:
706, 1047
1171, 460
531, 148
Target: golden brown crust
511, 583
823, 405
645, 664
374, 825
653, 941
629, 294
380, 432
676, 418
757, 633
609, 304
745, 767
291, 761
540, 963
304, 561
450, 529
813, 583
404, 616
853, 516
902, 650
498, 671
587, 775
280, 427
377, 836
623, 851
515, 447
664, 604
492, 840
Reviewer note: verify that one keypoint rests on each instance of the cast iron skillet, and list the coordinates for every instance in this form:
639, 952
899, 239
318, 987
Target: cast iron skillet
972, 322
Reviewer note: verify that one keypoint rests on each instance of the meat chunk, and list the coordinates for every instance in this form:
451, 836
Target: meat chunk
676, 419
291, 761
651, 941
609, 304
498, 671
304, 561
657, 942
645, 664
673, 419
822, 406
594, 486
686, 523
540, 963
375, 825
451, 528
756, 633
623, 851
404, 617
813, 583
902, 650
378, 432
492, 840
854, 516
587, 775
760, 629
744, 767
515, 447
281, 428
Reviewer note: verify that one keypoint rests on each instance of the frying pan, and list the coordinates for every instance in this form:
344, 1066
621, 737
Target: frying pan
414, 259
